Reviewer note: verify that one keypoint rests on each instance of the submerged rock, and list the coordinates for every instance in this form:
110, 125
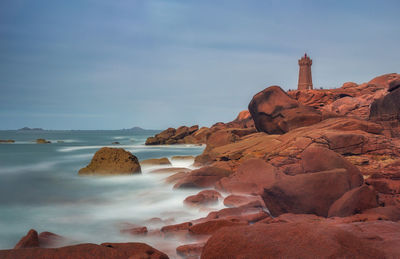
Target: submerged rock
112, 161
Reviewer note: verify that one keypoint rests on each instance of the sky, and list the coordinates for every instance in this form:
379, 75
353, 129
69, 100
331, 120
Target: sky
100, 64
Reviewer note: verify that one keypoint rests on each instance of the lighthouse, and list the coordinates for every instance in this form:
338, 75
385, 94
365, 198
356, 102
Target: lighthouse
305, 79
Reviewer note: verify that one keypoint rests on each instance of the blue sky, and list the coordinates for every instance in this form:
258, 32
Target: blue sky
97, 64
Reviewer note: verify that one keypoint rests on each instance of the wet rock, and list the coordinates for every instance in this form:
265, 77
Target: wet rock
251, 177
30, 240
353, 202
42, 141
171, 170
176, 227
240, 200
205, 197
84, 251
115, 143
155, 161
50, 240
202, 178
182, 158
190, 250
175, 177
7, 141
135, 230
112, 161
161, 138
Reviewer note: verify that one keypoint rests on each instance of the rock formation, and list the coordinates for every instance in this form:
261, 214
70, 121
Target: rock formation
112, 161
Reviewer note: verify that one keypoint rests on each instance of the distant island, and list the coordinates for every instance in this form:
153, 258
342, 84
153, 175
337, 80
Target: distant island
32, 129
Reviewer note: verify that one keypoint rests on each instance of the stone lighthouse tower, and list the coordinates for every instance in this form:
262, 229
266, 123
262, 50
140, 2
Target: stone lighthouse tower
305, 79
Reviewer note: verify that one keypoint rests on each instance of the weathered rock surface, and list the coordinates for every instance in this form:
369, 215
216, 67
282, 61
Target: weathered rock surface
346, 136
386, 110
211, 226
312, 193
85, 251
112, 161
302, 240
251, 177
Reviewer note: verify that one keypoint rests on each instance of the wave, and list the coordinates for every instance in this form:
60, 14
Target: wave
32, 167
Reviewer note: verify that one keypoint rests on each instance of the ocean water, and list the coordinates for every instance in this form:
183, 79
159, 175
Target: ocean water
40, 188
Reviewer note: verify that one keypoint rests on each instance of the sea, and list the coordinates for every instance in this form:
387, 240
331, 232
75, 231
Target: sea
40, 188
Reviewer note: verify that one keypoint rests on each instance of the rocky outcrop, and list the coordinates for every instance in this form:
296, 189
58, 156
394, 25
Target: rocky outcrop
112, 161
347, 136
275, 112
181, 135
386, 110
84, 251
349, 100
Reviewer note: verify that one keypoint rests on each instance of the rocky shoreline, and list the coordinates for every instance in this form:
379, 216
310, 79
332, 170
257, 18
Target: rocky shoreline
303, 174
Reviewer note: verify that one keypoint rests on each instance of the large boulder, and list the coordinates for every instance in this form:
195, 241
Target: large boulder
202, 178
251, 177
317, 159
311, 193
354, 201
387, 107
112, 161
84, 251
275, 112
289, 240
